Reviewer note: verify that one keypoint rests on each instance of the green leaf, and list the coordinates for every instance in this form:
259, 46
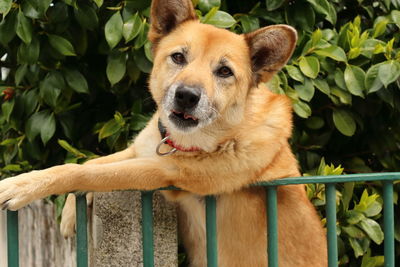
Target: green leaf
316, 37
34, 124
76, 81
294, 73
64, 144
274, 4
354, 78
147, 51
111, 127
368, 204
7, 108
339, 79
62, 45
347, 194
116, 67
353, 231
306, 90
302, 109
309, 66
7, 28
86, 16
380, 27
344, 122
325, 8
5, 7
43, 5
372, 81
99, 3
30, 101
24, 28
249, 23
221, 19
372, 229
142, 37
395, 16
315, 123
12, 167
30, 9
368, 261
51, 87
353, 216
141, 61
113, 30
132, 27
47, 128
358, 251
322, 85
389, 72
302, 15
333, 52
206, 5
20, 73
29, 53
138, 122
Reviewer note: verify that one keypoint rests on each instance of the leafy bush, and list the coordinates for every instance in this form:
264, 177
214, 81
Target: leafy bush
73, 83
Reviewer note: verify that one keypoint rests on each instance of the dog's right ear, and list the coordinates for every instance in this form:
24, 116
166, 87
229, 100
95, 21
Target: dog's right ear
166, 15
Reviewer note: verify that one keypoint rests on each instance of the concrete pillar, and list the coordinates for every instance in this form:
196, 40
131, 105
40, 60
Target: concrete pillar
117, 230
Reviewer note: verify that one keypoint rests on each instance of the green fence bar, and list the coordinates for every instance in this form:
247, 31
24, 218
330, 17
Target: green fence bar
147, 229
272, 226
330, 196
382, 176
12, 239
388, 223
211, 229
81, 231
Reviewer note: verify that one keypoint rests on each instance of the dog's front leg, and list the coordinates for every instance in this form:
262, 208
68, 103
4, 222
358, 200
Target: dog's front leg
142, 174
68, 218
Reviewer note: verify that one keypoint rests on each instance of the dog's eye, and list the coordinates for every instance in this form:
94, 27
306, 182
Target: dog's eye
178, 58
224, 72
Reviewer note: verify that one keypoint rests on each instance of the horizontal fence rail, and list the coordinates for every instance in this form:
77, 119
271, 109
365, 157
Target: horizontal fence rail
211, 217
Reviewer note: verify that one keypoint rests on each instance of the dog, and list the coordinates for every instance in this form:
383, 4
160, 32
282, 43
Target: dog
216, 131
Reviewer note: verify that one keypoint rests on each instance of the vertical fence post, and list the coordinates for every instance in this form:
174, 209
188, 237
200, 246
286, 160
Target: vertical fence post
12, 239
272, 226
147, 229
330, 196
388, 223
81, 231
211, 229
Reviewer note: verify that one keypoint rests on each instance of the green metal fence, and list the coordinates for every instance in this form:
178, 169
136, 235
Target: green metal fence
211, 225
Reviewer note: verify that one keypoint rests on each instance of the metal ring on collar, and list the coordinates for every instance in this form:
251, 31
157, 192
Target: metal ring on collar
172, 151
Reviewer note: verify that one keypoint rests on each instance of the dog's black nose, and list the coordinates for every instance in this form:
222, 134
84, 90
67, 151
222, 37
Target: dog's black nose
186, 98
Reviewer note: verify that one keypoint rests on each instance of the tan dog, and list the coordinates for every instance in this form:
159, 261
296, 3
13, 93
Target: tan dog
229, 132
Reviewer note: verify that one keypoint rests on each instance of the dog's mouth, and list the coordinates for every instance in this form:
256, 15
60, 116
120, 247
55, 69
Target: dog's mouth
183, 119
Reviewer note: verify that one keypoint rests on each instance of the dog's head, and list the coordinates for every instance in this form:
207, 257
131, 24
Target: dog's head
202, 74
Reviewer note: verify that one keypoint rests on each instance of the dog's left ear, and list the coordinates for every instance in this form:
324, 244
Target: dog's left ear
270, 48
166, 15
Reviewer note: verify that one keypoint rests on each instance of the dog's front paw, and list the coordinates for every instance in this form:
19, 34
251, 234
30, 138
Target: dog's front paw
20, 190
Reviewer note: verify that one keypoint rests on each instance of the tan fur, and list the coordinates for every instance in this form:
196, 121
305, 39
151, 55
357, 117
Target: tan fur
246, 143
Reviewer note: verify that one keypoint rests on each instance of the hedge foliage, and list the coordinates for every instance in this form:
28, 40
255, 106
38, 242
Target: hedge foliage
73, 86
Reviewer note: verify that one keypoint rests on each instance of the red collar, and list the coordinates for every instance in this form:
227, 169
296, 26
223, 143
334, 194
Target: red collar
164, 133
180, 148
